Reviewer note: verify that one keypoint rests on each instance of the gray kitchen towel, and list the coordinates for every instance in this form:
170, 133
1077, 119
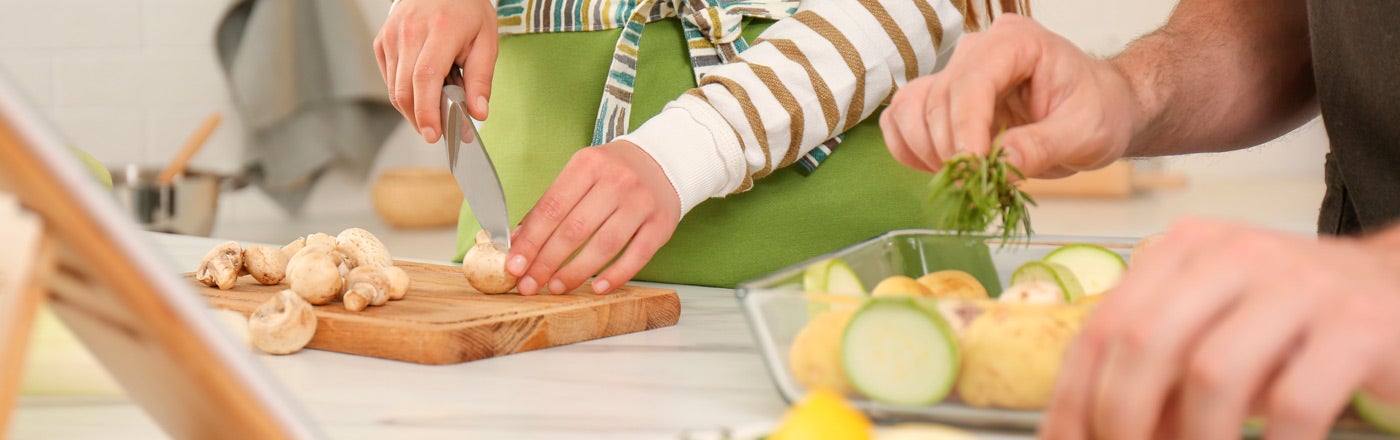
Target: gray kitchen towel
304, 79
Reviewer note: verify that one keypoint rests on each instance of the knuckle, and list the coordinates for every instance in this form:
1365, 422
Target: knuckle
412, 29
1206, 376
440, 19
623, 177
426, 72
524, 244
574, 229
543, 267
481, 85
1096, 334
609, 244
587, 157
551, 208
1138, 340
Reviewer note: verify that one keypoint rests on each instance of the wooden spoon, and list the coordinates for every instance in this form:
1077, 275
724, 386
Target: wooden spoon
187, 152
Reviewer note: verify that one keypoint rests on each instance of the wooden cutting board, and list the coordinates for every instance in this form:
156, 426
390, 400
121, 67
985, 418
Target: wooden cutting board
443, 320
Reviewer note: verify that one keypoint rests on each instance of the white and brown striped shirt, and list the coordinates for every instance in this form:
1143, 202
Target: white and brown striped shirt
806, 79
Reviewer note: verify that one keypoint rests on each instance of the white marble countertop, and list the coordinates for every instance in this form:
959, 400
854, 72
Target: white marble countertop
700, 374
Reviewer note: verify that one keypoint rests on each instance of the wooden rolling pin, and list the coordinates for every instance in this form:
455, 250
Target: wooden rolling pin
1115, 181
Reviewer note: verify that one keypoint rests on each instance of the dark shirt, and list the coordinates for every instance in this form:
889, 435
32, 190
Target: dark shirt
1356, 62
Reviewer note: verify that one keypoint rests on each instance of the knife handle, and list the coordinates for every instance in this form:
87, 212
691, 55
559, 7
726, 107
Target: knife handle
454, 77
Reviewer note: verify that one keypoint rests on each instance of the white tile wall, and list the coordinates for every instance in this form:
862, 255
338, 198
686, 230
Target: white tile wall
126, 80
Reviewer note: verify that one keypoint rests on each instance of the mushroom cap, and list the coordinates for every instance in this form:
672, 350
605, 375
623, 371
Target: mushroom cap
222, 266
265, 264
315, 276
362, 248
485, 268
282, 325
398, 282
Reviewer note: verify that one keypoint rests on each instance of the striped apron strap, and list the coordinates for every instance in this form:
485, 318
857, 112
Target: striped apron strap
714, 36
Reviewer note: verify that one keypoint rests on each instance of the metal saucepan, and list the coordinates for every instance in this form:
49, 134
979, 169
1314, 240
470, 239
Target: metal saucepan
186, 206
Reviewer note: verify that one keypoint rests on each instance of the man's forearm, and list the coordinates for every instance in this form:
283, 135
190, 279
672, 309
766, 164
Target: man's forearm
1220, 75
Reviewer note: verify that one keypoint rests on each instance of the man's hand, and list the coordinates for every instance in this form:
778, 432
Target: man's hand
610, 199
1218, 322
420, 41
1063, 111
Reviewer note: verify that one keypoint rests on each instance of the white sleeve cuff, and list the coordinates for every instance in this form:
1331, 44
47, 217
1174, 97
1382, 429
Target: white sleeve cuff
696, 148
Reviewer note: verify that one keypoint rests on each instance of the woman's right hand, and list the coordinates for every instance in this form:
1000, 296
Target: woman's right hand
420, 41
1063, 110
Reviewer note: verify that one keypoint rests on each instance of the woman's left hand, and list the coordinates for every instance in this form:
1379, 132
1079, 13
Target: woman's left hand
1218, 322
610, 199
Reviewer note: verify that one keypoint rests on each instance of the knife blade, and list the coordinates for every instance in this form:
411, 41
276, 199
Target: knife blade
469, 163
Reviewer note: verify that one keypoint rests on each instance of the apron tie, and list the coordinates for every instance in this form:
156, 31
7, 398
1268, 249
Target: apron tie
714, 36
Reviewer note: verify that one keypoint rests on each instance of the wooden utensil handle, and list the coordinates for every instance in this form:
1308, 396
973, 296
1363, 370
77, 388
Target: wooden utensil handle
192, 146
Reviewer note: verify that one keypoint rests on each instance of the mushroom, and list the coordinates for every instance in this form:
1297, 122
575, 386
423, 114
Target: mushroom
366, 286
221, 266
361, 248
265, 264
283, 324
314, 275
485, 266
398, 282
1033, 292
326, 240
313, 249
291, 248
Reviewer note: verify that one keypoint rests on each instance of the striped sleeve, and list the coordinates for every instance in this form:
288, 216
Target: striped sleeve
805, 80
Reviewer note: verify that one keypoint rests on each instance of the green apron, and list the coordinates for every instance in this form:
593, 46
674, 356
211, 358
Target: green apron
543, 103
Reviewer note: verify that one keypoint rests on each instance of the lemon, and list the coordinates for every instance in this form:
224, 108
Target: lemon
823, 414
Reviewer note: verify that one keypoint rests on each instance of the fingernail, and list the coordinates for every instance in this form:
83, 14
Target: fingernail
429, 134
516, 266
527, 286
481, 104
601, 286
556, 287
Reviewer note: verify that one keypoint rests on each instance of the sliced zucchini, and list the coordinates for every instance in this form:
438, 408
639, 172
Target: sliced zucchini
830, 279
1384, 416
900, 351
1097, 268
842, 280
1051, 272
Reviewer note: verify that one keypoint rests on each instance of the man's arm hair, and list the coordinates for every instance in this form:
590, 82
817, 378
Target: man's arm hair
1221, 75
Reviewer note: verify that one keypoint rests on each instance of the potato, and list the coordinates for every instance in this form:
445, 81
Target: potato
953, 283
1012, 354
900, 285
1089, 301
815, 355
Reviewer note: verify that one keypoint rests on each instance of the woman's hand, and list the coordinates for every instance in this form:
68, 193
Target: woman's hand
420, 41
1218, 322
610, 199
1064, 111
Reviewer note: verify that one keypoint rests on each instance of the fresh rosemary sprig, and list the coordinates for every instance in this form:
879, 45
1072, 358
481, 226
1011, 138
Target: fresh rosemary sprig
971, 193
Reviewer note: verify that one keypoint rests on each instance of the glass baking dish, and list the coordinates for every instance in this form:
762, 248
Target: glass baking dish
776, 308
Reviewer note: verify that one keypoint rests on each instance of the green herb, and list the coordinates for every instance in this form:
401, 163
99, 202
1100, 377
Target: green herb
971, 193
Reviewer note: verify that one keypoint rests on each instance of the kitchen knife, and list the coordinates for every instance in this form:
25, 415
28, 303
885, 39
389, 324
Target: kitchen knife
466, 157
